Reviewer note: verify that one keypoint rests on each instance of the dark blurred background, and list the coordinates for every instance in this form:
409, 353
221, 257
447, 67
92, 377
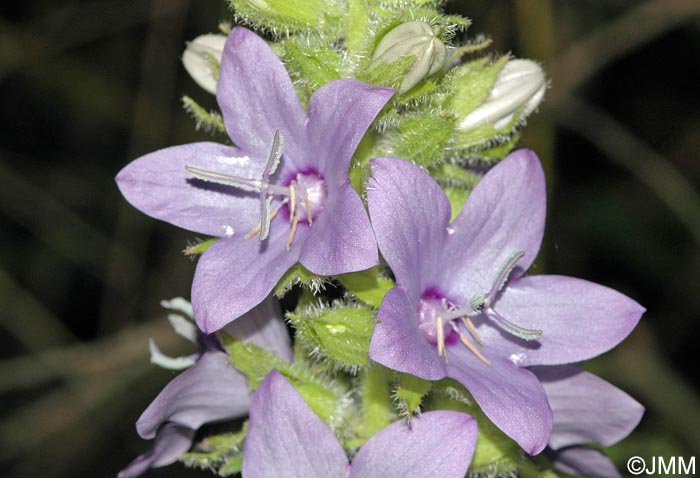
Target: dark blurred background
87, 86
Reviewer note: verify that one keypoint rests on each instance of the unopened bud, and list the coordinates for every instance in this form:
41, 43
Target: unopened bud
416, 39
202, 58
518, 89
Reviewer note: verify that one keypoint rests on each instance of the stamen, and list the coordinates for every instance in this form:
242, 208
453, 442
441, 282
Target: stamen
257, 228
510, 327
292, 199
307, 204
474, 350
440, 337
293, 231
472, 330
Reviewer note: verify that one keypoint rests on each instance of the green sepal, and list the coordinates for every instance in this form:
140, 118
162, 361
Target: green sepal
220, 454
496, 454
369, 286
209, 121
356, 25
377, 409
299, 275
421, 137
387, 74
255, 363
282, 17
310, 67
340, 332
472, 83
409, 393
199, 248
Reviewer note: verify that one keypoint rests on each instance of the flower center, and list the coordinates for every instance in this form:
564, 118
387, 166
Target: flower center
304, 195
438, 316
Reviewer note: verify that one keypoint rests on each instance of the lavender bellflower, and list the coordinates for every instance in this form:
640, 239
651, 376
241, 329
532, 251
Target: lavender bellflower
286, 439
463, 306
285, 181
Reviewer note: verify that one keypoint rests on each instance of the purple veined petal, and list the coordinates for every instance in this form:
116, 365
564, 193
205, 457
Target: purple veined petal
234, 275
171, 442
398, 343
342, 110
587, 409
505, 213
256, 97
264, 327
437, 444
584, 461
510, 396
410, 215
211, 390
579, 319
286, 439
341, 240
158, 185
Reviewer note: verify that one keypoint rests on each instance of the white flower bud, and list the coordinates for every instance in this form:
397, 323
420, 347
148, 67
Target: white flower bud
520, 84
417, 39
201, 59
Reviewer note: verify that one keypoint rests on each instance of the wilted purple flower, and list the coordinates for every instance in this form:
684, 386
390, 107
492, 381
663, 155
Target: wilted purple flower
238, 192
586, 410
463, 307
209, 391
286, 439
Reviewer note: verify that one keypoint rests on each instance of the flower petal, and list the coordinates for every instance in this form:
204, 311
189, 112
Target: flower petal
587, 409
504, 214
340, 112
209, 391
263, 326
286, 439
341, 240
171, 442
256, 97
436, 444
158, 185
234, 275
410, 215
584, 461
397, 342
511, 397
578, 319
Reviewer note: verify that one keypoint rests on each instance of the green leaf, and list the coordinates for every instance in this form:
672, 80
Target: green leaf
410, 392
311, 66
210, 121
255, 363
299, 275
218, 453
281, 17
376, 400
199, 248
340, 333
369, 285
357, 27
421, 137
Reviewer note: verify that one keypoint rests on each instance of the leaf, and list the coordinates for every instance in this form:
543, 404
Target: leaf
299, 275
341, 333
410, 392
369, 285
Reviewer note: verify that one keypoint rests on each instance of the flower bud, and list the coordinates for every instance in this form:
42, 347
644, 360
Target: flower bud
518, 89
202, 58
416, 39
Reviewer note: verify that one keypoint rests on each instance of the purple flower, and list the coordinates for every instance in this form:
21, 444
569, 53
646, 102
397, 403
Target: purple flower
209, 391
287, 439
463, 306
586, 410
299, 202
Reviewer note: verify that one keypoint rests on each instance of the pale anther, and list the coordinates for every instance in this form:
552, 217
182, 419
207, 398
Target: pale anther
292, 199
293, 230
472, 330
474, 350
307, 204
